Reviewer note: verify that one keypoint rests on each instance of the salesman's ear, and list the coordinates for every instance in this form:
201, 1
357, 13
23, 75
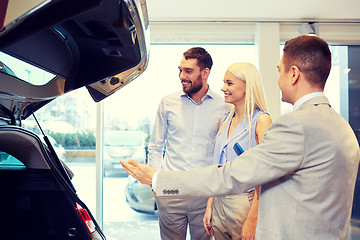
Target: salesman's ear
295, 74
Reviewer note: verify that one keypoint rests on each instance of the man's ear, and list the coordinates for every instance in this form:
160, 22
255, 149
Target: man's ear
205, 73
295, 74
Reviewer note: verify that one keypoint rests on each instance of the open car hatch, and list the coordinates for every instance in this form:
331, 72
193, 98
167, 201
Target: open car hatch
100, 44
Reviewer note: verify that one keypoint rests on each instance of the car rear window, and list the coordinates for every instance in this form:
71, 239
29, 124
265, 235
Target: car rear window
8, 161
24, 71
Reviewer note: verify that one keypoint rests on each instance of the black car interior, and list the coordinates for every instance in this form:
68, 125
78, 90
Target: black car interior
39, 202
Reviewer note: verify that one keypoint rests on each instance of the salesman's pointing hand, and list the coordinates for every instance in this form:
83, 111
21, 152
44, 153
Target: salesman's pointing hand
142, 172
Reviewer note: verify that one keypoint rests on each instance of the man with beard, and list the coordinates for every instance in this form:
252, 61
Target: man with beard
186, 124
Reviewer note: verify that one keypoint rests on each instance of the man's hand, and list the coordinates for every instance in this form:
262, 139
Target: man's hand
142, 172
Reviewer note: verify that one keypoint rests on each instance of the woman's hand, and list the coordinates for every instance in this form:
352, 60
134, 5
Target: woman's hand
248, 229
207, 220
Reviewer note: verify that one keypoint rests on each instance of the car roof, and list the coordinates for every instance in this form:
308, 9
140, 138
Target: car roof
100, 44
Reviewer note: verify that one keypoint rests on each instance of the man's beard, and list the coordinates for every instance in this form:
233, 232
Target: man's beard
195, 86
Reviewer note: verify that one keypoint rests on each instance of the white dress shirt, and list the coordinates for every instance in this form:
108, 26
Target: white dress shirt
187, 130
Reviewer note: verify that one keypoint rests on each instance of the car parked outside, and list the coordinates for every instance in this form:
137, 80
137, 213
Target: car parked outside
122, 145
47, 50
140, 197
59, 149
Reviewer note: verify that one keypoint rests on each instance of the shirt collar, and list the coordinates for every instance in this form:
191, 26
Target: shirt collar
209, 94
305, 98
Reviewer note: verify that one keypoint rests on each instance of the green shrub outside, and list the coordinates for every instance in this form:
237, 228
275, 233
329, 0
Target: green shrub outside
75, 140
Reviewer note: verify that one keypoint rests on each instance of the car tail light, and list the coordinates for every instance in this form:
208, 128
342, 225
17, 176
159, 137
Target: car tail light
3, 8
86, 218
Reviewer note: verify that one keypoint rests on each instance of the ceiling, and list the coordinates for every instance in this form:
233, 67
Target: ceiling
233, 10
255, 10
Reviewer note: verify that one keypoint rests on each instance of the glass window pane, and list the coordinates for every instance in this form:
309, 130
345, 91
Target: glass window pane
70, 121
128, 205
9, 161
353, 75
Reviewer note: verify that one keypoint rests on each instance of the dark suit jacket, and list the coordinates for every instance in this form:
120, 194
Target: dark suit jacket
306, 166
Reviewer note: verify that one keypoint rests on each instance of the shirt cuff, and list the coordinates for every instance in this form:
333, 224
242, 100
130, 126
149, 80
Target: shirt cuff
153, 181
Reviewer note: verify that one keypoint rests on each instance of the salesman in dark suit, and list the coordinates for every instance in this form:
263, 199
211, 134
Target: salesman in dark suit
306, 164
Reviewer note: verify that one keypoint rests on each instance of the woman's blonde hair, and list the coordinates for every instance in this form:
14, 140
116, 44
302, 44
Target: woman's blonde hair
254, 97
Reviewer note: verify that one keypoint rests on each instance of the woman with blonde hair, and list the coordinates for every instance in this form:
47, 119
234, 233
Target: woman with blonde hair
235, 217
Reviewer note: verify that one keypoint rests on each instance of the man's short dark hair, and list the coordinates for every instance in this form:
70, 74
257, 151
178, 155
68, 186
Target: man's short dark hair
311, 55
203, 57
